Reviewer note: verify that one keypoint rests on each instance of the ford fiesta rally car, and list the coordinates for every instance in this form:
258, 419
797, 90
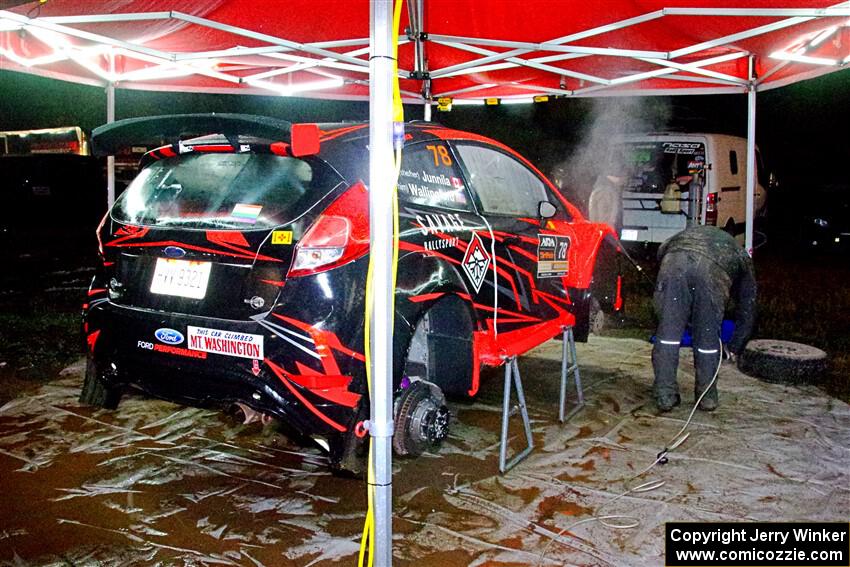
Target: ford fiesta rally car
234, 270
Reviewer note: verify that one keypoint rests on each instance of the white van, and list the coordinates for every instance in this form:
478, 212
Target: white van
674, 180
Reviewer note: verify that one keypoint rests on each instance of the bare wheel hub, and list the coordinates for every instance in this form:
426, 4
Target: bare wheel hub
421, 419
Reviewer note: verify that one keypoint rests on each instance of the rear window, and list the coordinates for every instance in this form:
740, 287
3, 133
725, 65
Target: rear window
650, 166
212, 190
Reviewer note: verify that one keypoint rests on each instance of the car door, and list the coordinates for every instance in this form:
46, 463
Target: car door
438, 219
532, 255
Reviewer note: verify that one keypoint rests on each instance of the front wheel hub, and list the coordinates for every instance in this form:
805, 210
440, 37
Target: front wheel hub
421, 419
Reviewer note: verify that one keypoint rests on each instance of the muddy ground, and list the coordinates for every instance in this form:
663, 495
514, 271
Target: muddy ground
156, 483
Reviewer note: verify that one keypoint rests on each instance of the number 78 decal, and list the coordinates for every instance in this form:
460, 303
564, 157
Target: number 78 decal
441, 155
552, 256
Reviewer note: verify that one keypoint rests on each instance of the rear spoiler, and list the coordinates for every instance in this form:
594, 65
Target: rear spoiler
110, 138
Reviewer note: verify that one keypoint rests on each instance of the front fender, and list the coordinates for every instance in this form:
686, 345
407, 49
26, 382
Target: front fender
590, 238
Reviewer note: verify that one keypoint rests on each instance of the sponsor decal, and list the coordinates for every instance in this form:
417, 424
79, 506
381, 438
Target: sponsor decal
476, 260
168, 336
243, 212
682, 148
227, 343
434, 224
255, 367
552, 256
457, 183
441, 243
282, 237
170, 349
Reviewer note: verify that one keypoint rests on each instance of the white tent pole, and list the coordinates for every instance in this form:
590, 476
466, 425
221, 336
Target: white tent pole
41, 23
696, 70
751, 156
110, 118
523, 62
470, 69
110, 160
736, 37
760, 12
239, 50
426, 111
527, 47
381, 183
266, 37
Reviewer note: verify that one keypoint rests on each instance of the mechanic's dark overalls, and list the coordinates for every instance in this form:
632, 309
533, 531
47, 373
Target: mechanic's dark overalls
699, 267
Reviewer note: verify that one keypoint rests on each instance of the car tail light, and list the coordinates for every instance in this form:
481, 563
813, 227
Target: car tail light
338, 236
711, 209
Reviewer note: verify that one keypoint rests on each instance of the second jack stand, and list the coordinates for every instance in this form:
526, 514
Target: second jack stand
512, 376
569, 365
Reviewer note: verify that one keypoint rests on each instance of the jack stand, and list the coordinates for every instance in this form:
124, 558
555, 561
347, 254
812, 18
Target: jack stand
512, 374
570, 365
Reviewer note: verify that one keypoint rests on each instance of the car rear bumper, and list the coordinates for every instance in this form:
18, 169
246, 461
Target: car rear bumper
279, 382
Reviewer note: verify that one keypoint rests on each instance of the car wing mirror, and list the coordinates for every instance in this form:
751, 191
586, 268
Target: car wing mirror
546, 210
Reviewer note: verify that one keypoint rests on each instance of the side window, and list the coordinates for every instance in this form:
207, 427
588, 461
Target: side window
504, 185
430, 177
733, 162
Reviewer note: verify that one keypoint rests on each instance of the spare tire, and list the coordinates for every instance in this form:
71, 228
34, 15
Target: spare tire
784, 362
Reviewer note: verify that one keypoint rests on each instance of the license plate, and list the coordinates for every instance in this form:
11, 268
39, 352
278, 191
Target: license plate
180, 278
629, 234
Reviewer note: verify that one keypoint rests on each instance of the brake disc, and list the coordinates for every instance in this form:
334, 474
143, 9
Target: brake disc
421, 419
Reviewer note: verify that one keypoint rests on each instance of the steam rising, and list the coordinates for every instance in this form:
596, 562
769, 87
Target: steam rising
593, 159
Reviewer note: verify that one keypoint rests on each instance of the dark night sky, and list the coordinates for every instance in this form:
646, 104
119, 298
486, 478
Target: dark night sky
802, 129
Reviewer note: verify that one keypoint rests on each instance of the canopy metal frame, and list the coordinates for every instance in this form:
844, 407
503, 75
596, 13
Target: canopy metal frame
282, 56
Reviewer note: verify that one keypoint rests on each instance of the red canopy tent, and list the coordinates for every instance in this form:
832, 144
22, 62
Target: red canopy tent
467, 50
460, 48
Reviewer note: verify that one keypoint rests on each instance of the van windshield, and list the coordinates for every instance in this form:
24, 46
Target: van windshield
217, 190
650, 166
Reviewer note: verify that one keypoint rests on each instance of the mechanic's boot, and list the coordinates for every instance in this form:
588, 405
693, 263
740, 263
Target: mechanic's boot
709, 401
668, 402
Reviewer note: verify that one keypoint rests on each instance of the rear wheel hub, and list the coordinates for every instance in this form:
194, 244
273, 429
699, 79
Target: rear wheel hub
421, 419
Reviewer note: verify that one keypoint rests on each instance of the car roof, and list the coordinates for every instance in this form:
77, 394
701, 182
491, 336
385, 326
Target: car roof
343, 145
416, 131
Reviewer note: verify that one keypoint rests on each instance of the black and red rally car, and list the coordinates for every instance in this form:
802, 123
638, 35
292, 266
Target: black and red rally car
234, 270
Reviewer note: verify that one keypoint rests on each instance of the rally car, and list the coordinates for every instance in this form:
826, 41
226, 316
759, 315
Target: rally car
234, 267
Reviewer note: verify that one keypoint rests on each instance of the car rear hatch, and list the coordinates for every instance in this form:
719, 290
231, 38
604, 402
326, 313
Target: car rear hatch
212, 232
664, 184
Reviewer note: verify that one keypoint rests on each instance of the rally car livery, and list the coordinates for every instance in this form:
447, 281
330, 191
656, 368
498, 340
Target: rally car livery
234, 271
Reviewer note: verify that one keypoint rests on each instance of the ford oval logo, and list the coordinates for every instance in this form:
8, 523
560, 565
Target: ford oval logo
169, 336
174, 252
